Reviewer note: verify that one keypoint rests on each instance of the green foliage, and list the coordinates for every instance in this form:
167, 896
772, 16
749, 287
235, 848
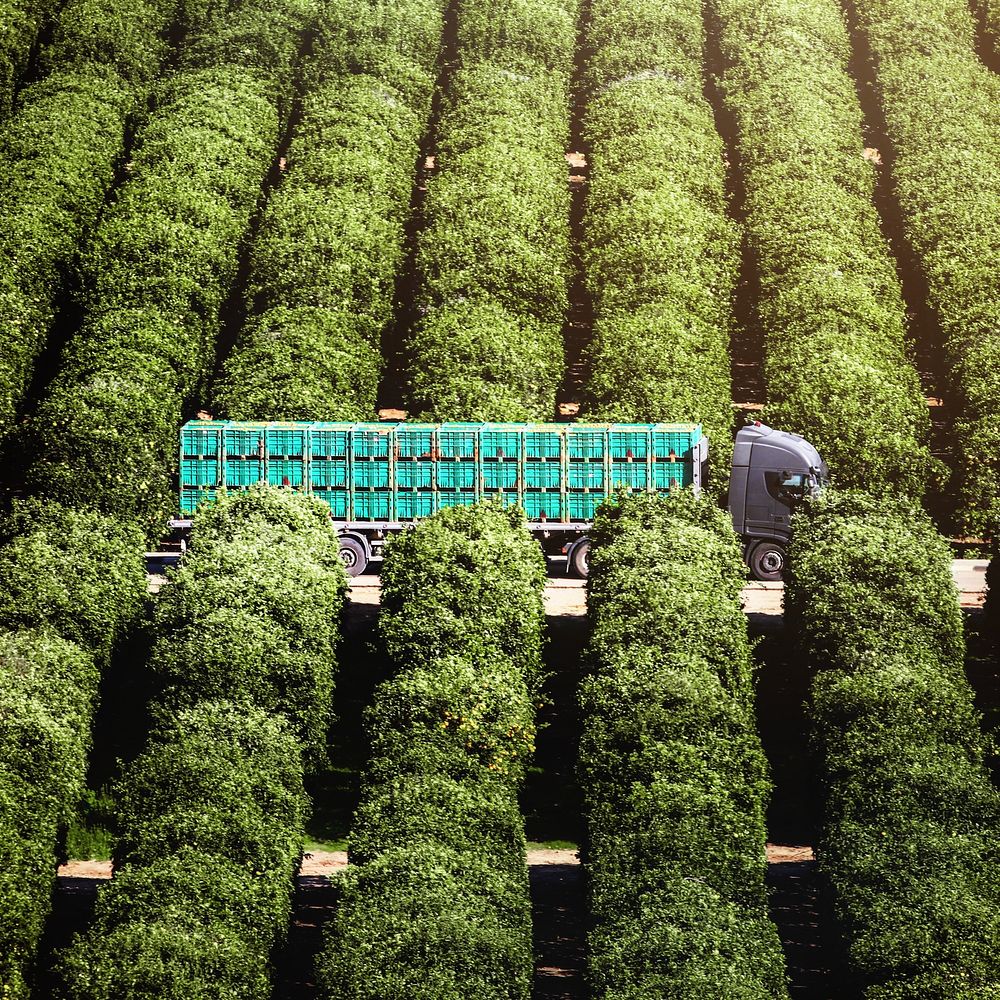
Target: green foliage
659, 254
942, 111
20, 22
494, 266
413, 810
211, 817
680, 938
80, 573
837, 365
430, 922
438, 904
102, 56
911, 814
325, 264
467, 717
218, 763
467, 581
252, 614
480, 360
161, 265
47, 691
674, 778
878, 576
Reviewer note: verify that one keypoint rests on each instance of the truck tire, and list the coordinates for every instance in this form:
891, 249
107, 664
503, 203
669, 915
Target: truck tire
767, 561
354, 556
579, 559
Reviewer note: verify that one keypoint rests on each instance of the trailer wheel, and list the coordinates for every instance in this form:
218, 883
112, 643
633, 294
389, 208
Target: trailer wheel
354, 556
579, 558
767, 562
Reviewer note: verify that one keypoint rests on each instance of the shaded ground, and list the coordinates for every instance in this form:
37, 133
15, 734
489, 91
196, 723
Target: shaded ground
800, 908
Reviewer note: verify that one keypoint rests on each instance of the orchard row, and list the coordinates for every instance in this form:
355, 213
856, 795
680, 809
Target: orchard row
177, 112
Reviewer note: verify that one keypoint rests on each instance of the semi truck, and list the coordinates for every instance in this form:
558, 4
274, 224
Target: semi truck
380, 478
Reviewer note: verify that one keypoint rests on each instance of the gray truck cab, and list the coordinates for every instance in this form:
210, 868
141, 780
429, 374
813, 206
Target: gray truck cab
772, 471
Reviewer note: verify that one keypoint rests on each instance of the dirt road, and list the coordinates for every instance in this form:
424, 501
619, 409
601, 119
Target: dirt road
564, 596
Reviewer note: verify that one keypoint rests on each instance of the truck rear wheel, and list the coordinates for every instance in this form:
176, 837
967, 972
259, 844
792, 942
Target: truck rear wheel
579, 559
767, 562
354, 556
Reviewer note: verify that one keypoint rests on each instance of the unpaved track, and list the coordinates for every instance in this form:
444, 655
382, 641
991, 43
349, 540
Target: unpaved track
565, 596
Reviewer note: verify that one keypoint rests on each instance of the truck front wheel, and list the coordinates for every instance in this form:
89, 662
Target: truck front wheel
767, 561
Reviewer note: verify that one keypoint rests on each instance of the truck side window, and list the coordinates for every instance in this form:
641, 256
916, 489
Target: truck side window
786, 486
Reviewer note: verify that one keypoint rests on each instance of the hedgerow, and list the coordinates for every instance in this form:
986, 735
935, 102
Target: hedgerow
674, 778
910, 815
936, 95
20, 22
836, 360
95, 75
80, 574
660, 256
211, 817
426, 921
330, 246
71, 584
436, 901
161, 264
48, 686
493, 256
468, 582
252, 614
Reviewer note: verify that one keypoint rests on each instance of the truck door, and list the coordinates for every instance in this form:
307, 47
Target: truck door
771, 494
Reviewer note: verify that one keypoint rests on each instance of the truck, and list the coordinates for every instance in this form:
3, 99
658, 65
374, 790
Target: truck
380, 478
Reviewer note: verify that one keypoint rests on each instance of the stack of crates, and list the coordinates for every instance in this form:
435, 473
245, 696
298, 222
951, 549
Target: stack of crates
398, 473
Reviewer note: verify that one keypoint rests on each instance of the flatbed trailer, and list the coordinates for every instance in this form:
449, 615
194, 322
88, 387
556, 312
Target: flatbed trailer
380, 478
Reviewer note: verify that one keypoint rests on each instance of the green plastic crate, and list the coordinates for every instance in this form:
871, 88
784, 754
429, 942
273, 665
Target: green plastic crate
414, 441
414, 474
336, 500
494, 443
585, 443
327, 473
508, 497
371, 473
634, 442
372, 505
370, 442
458, 440
243, 443
200, 442
286, 442
679, 441
542, 444
417, 504
581, 506
585, 476
537, 504
499, 476
456, 475
194, 497
328, 443
539, 475
199, 472
632, 474
286, 472
667, 475
456, 499
243, 472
